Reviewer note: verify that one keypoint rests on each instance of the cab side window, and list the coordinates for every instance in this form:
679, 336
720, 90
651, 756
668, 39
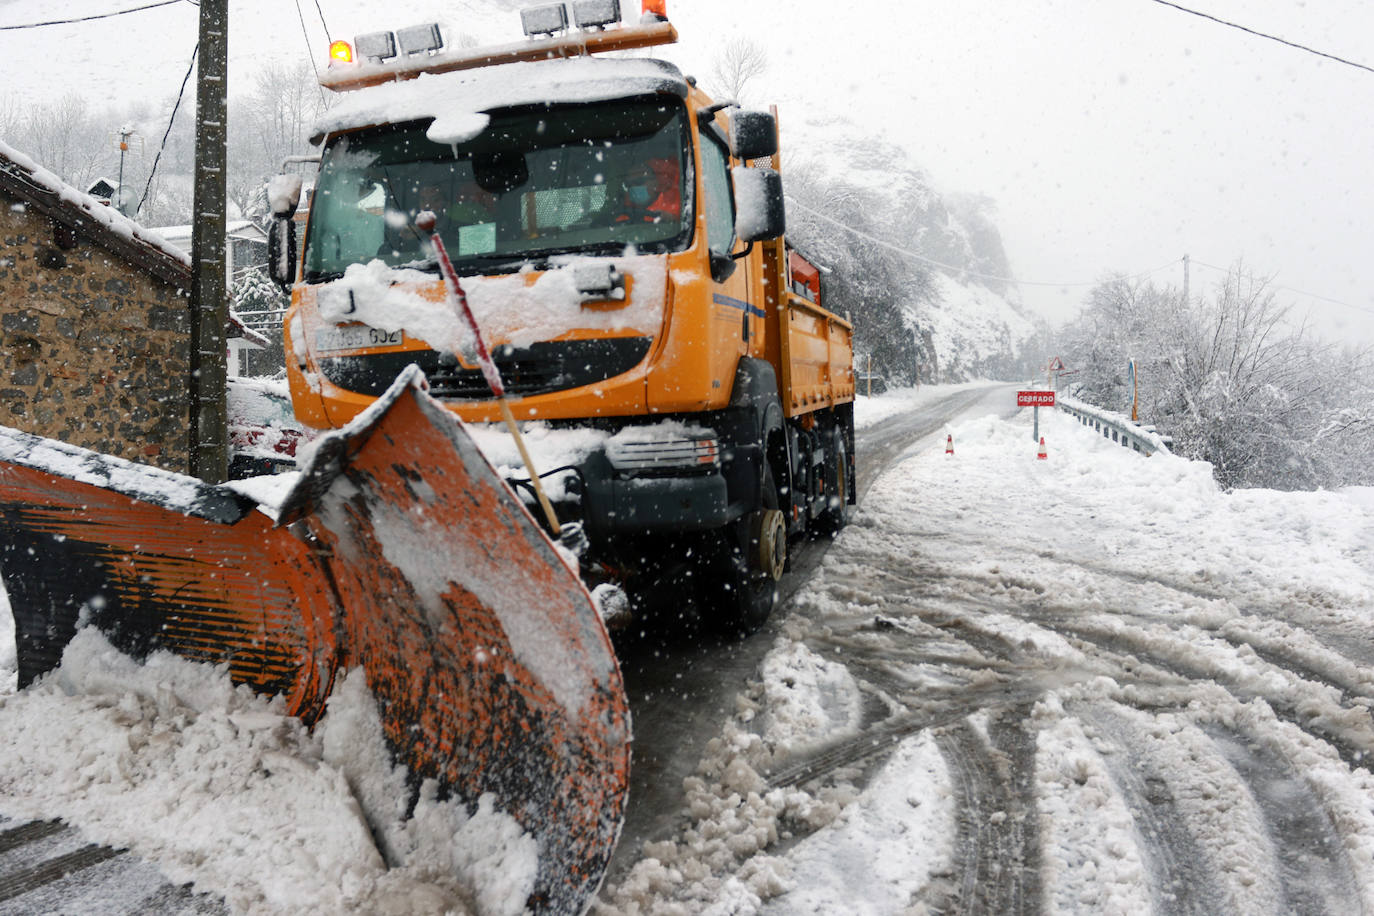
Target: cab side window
720, 205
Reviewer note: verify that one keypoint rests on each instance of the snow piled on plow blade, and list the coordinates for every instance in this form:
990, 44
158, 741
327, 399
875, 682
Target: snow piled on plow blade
398, 552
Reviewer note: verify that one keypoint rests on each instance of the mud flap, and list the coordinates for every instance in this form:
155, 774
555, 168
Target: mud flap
400, 551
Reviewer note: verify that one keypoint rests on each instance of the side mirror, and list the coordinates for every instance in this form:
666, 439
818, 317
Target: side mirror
281, 251
753, 134
284, 194
760, 212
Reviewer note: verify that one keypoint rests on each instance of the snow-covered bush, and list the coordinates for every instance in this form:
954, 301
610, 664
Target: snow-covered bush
1231, 380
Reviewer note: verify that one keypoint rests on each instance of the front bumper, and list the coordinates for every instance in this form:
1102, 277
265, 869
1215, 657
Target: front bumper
616, 503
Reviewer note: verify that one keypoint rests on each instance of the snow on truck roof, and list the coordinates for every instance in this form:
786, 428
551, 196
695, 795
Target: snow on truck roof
458, 101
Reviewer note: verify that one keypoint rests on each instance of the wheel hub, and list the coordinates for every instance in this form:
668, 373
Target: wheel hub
770, 536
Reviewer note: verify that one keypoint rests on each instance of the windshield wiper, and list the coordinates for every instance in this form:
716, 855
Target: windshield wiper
429, 265
502, 263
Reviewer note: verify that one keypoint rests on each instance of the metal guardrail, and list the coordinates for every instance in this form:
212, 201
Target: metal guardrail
1116, 427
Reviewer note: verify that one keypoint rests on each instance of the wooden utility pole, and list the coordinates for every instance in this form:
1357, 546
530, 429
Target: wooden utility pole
209, 305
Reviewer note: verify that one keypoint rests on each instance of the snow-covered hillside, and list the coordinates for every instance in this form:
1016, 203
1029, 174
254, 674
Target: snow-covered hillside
974, 330
921, 271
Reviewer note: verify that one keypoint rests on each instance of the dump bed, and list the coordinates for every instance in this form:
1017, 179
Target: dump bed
816, 346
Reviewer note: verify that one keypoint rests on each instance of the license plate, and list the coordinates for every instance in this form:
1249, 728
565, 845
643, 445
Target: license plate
356, 337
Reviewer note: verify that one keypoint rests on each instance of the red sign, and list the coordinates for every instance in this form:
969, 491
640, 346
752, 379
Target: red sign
1035, 399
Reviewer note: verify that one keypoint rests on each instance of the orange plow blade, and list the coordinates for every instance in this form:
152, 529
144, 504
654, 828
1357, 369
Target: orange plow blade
400, 551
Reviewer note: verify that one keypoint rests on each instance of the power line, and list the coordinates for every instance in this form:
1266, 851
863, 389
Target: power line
136, 9
972, 273
168, 132
306, 35
1349, 305
1258, 34
322, 22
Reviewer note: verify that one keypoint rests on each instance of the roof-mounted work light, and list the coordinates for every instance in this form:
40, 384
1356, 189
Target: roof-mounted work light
654, 11
376, 45
594, 14
420, 39
544, 20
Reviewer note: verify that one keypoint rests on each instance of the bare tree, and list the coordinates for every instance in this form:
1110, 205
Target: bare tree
61, 136
882, 291
267, 125
1232, 379
736, 65
11, 118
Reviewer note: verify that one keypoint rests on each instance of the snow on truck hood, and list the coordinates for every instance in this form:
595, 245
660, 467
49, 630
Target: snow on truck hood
457, 101
508, 309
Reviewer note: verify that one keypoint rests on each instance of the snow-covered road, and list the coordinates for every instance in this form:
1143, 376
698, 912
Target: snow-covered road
1090, 684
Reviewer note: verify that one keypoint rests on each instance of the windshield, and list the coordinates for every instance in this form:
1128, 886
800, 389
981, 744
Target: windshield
535, 182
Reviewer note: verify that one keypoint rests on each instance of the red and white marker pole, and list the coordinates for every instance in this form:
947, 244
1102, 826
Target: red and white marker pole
426, 222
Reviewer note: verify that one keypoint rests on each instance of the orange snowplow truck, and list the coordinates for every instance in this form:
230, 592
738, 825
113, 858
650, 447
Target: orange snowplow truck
619, 237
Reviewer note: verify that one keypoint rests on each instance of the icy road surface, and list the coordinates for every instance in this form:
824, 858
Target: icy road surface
1091, 684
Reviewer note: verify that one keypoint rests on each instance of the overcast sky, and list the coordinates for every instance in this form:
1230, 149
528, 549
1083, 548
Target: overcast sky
1114, 135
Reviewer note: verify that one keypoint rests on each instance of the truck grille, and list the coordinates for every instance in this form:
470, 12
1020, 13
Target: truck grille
536, 369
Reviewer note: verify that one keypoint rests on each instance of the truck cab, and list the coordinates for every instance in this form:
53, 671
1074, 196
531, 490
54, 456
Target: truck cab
618, 236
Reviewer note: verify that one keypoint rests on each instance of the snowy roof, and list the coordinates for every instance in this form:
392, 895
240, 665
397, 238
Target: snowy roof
236, 328
456, 101
180, 236
105, 226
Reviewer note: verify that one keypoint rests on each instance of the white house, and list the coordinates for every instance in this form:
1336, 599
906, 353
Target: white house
247, 246
247, 249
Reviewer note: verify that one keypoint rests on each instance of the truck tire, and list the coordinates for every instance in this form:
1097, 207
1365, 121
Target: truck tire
753, 554
835, 515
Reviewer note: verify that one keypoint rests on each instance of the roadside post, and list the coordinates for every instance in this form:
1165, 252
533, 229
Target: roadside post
1135, 391
1055, 365
1036, 399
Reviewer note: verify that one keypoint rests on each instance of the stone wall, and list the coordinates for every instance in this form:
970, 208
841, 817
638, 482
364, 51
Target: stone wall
93, 350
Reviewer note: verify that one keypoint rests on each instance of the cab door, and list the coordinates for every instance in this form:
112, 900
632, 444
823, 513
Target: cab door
734, 317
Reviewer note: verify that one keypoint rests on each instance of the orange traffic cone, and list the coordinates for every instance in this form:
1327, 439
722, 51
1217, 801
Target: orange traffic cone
949, 445
1041, 455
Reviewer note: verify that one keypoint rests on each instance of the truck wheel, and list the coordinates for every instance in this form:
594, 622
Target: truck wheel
752, 558
836, 513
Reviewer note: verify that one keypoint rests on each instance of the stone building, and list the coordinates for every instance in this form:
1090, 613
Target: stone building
94, 322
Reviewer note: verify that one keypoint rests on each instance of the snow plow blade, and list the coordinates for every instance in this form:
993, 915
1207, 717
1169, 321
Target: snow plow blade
399, 550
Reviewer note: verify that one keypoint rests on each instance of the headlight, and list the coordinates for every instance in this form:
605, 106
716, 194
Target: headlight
643, 451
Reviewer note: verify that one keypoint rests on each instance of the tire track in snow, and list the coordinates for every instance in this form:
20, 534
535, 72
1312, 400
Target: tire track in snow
1179, 880
989, 682
1347, 725
1313, 656
1012, 736
998, 836
1180, 884
1329, 661
1355, 749
880, 739
1311, 863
